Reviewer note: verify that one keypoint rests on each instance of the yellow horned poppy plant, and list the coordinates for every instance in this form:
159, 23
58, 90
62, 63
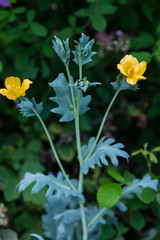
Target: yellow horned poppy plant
133, 70
14, 88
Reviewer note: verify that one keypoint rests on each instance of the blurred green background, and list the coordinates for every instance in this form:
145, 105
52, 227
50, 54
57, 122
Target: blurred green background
26, 31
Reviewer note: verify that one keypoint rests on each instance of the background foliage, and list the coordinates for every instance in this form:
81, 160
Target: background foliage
119, 27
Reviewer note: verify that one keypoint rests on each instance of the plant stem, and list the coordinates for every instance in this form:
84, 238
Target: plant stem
101, 126
77, 128
71, 89
54, 150
83, 217
96, 217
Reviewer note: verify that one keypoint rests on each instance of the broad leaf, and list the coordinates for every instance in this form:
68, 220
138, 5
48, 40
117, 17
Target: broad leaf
84, 48
102, 150
108, 195
64, 101
54, 183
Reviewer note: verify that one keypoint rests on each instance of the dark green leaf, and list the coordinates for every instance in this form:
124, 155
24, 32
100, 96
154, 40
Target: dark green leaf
148, 195
137, 220
99, 23
142, 56
30, 15
38, 29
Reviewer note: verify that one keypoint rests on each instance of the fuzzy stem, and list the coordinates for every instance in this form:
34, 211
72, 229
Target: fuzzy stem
54, 150
101, 126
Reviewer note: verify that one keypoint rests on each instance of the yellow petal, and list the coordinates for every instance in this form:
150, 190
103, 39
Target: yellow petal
12, 82
141, 68
9, 94
120, 67
26, 83
129, 59
131, 81
140, 77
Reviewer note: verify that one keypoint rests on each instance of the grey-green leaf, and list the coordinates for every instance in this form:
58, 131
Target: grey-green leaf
64, 101
84, 48
102, 150
62, 49
54, 183
27, 107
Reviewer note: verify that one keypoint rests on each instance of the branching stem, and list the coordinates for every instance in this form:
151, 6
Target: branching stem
54, 150
101, 126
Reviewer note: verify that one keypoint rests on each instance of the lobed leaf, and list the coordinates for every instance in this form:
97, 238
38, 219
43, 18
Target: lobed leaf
102, 150
54, 183
62, 49
137, 186
121, 84
58, 221
84, 48
27, 106
64, 101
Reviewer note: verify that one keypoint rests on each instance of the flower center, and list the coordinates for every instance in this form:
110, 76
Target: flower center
131, 72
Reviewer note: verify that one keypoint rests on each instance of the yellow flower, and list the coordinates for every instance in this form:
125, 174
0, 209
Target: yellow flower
133, 70
14, 89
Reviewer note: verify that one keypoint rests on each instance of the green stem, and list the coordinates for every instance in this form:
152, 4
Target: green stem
83, 217
81, 176
71, 89
54, 151
101, 126
96, 217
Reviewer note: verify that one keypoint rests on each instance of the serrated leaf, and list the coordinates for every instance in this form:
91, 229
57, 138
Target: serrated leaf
99, 22
137, 220
153, 158
102, 150
108, 195
54, 183
57, 228
147, 195
84, 48
62, 49
116, 175
64, 101
138, 185
27, 107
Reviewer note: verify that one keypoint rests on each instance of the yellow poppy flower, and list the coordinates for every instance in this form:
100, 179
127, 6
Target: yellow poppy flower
14, 88
133, 70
